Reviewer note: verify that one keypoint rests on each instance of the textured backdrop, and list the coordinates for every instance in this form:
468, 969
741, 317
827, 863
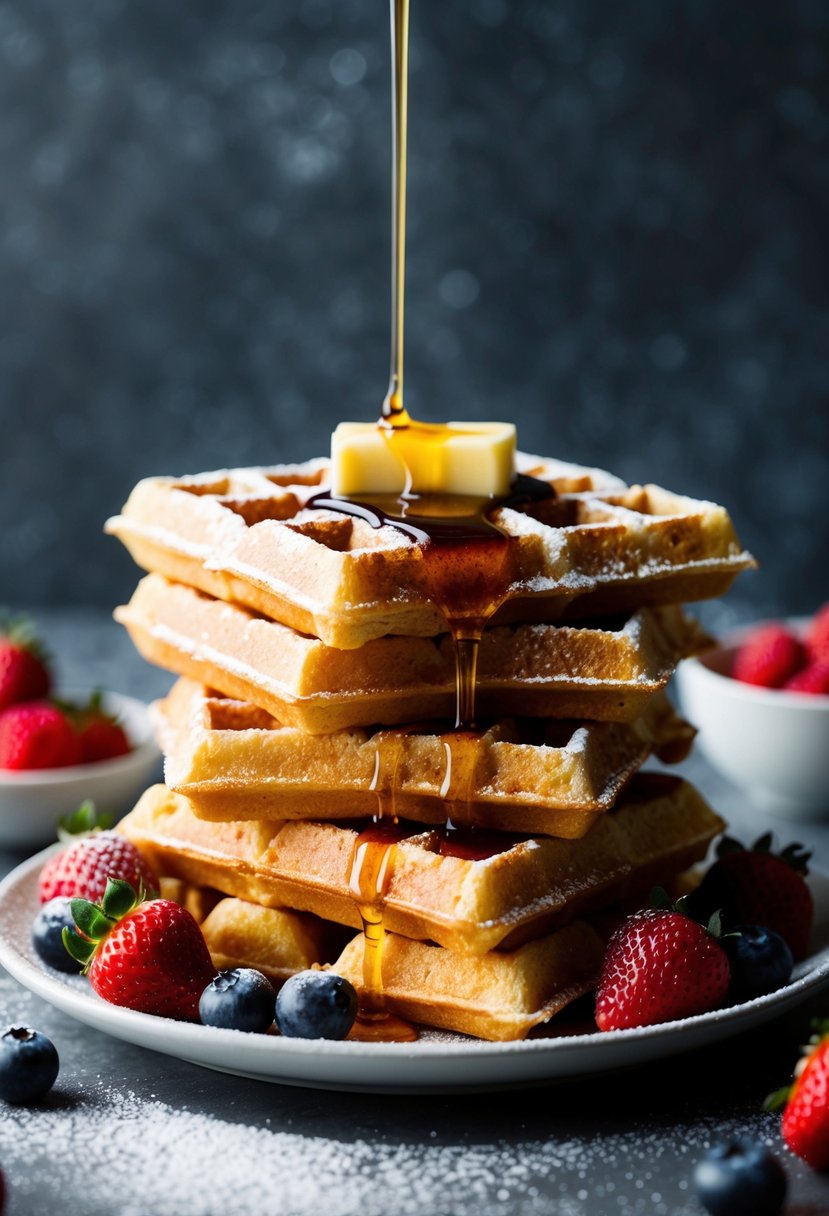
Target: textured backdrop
617, 238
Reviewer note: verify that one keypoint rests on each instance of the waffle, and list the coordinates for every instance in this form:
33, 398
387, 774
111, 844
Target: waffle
597, 547
233, 761
497, 996
604, 673
275, 941
481, 893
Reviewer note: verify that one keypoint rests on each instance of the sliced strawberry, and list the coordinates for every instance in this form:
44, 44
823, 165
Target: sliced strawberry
758, 887
24, 668
769, 657
37, 735
83, 869
149, 956
660, 965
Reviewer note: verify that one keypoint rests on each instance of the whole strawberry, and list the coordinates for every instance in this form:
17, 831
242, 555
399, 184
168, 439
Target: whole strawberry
24, 668
147, 955
83, 869
805, 1124
36, 735
758, 887
660, 965
101, 735
769, 657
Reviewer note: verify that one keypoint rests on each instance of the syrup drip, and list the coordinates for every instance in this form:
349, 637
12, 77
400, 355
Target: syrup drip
461, 750
369, 877
467, 572
394, 411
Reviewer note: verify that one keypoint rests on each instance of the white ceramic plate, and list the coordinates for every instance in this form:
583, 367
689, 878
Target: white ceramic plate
437, 1063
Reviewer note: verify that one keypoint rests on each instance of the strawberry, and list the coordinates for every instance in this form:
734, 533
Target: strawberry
148, 955
811, 679
102, 736
817, 640
83, 869
769, 657
805, 1124
37, 735
660, 965
24, 669
758, 887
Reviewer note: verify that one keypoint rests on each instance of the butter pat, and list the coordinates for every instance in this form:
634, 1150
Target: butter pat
475, 458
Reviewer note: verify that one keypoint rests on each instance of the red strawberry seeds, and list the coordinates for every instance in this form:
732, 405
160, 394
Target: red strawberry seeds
82, 870
37, 735
149, 956
805, 1124
659, 965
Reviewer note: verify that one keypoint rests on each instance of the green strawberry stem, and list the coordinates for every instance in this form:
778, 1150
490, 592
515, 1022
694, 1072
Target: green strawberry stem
95, 921
662, 902
794, 855
83, 822
20, 631
778, 1099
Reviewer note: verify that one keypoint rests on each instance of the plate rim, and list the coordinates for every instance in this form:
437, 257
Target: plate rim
176, 1038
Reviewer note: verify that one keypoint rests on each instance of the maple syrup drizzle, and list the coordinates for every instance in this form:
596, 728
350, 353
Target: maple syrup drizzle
466, 573
394, 411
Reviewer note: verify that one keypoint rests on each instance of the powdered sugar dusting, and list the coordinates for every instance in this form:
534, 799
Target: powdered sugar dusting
175, 1162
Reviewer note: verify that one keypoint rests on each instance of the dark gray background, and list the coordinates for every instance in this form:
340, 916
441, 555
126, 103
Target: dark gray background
617, 239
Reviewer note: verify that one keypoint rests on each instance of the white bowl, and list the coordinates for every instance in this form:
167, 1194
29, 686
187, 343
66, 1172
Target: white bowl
774, 744
32, 802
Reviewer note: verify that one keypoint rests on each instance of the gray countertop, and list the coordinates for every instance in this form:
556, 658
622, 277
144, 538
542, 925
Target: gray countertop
132, 1132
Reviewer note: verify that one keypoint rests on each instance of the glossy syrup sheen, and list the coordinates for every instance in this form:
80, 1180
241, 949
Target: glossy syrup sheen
467, 572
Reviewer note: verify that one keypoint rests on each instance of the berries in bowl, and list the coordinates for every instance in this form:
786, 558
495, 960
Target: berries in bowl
33, 799
760, 701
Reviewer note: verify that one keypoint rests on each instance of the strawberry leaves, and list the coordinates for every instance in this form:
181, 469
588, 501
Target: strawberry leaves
95, 921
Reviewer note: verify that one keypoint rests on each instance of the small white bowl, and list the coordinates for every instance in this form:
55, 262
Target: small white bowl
774, 744
32, 801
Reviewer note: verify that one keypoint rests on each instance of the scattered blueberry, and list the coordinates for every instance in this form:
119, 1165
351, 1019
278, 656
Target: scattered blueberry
46, 935
740, 1179
238, 999
28, 1065
760, 959
316, 1005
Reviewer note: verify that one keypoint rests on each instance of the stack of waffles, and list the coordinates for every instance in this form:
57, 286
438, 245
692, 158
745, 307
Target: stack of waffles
317, 691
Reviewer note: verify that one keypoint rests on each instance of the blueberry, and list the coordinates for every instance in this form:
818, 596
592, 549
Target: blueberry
46, 935
316, 1005
760, 960
28, 1065
239, 999
740, 1179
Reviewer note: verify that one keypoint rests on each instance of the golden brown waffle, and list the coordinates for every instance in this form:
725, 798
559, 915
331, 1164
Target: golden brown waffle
275, 941
497, 996
604, 673
598, 547
233, 761
198, 900
520, 888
